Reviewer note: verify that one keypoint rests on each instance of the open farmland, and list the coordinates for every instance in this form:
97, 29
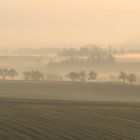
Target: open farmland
66, 110
71, 120
70, 91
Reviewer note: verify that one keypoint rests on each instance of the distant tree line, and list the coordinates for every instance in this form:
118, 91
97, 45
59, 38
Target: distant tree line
85, 56
10, 74
91, 50
82, 76
98, 59
92, 76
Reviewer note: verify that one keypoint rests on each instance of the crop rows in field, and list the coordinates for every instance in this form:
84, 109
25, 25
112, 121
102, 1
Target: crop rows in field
37, 120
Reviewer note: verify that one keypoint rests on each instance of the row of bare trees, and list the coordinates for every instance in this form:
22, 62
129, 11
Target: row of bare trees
82, 76
7, 74
92, 76
125, 77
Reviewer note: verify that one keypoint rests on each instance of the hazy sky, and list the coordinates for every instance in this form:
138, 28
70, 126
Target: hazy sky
44, 22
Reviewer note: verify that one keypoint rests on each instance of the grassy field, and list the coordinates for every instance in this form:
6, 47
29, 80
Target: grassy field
69, 111
68, 120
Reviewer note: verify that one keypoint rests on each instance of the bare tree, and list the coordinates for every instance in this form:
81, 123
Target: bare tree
12, 73
74, 76
27, 75
123, 76
4, 73
37, 75
33, 75
92, 76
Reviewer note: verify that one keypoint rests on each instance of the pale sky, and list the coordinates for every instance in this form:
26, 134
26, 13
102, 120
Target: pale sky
43, 22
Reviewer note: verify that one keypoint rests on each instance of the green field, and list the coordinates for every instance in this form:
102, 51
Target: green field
69, 111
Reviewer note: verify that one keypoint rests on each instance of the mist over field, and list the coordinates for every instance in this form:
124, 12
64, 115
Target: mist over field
69, 70
56, 64
88, 92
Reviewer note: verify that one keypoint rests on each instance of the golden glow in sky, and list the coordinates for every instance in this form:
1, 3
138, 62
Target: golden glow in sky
42, 22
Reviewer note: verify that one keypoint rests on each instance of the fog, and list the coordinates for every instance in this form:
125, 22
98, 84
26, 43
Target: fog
33, 35
39, 23
69, 69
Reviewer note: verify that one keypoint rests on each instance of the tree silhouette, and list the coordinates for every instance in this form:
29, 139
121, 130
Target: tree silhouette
27, 75
12, 73
33, 75
37, 75
92, 76
74, 76
123, 76
4, 73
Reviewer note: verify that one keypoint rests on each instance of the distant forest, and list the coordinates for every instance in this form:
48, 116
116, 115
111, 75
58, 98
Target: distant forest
88, 55
86, 50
